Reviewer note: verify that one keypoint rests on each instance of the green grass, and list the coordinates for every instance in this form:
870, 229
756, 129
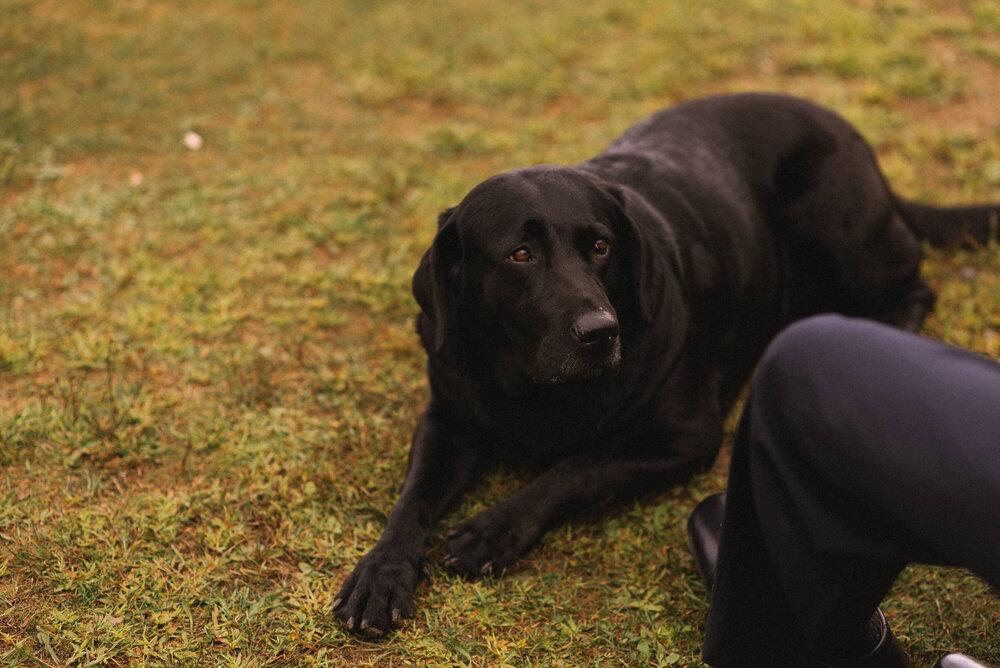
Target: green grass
208, 372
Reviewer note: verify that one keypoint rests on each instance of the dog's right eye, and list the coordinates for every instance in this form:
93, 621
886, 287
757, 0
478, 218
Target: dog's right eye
520, 255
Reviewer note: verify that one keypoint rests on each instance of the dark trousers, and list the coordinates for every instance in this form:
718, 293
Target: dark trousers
861, 448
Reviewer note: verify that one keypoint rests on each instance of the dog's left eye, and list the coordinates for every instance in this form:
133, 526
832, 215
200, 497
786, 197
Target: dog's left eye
520, 255
601, 247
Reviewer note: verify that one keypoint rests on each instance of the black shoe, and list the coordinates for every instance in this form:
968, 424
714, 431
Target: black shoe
958, 661
886, 653
704, 528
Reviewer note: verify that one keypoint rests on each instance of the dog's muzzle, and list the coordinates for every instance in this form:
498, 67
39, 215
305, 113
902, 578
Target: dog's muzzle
592, 350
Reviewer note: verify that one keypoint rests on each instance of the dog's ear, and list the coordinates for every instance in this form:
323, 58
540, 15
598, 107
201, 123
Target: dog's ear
435, 282
640, 265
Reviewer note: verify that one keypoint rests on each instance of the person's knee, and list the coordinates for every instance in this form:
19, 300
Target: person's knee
797, 382
808, 354
803, 343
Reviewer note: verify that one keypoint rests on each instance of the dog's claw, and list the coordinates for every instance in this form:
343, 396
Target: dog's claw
370, 628
350, 624
396, 616
337, 602
487, 568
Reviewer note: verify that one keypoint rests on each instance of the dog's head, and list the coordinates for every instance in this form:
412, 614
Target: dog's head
533, 275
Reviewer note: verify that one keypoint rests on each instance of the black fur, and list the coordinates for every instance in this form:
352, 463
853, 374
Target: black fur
601, 319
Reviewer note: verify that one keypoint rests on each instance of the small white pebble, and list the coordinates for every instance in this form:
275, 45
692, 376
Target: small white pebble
193, 140
968, 274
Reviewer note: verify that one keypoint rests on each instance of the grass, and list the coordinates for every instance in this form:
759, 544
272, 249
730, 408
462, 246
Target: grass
208, 373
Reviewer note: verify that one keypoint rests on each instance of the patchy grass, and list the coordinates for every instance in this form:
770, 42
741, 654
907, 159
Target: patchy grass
208, 375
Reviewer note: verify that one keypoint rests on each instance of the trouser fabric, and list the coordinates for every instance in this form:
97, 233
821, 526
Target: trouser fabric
861, 448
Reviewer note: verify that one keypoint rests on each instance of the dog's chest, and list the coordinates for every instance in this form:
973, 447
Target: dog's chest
549, 423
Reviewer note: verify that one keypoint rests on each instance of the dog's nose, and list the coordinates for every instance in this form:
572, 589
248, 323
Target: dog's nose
596, 327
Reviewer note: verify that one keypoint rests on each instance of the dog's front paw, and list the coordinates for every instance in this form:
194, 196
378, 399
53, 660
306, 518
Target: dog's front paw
378, 595
488, 543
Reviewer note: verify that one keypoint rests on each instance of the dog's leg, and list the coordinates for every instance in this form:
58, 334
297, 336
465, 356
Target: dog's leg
444, 461
909, 310
496, 538
838, 207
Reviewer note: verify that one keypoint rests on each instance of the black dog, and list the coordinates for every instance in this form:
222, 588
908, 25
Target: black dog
601, 319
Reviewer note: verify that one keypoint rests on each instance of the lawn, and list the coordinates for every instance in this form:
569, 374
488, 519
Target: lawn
209, 217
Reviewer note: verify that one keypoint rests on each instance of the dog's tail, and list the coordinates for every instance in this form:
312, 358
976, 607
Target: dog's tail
948, 226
